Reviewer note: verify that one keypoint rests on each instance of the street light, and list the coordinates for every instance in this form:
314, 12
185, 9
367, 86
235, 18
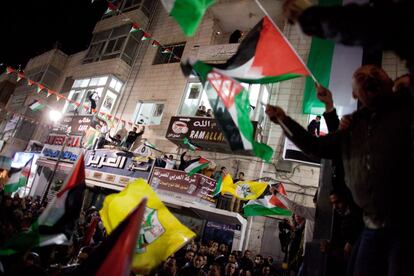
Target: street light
55, 116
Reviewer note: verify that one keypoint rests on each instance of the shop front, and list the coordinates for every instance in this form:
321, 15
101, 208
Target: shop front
188, 197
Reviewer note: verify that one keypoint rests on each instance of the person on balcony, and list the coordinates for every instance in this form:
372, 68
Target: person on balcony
235, 36
201, 111
93, 98
132, 137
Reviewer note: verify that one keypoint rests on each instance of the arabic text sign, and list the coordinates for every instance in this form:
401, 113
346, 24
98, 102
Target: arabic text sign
197, 129
177, 184
78, 124
116, 167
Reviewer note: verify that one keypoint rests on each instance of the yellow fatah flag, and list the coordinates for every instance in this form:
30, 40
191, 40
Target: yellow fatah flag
245, 190
161, 233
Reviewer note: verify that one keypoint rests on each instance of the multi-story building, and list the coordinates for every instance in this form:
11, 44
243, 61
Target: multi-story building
140, 83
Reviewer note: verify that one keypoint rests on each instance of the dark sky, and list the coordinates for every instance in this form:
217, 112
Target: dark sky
31, 27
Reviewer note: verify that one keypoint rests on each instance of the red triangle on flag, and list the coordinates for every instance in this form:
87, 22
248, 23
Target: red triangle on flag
115, 254
77, 176
203, 160
9, 70
30, 82
226, 88
281, 189
274, 55
20, 76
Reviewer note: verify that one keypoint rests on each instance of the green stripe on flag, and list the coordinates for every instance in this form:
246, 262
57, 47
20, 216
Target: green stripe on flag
219, 182
197, 169
270, 79
319, 63
13, 187
252, 210
189, 13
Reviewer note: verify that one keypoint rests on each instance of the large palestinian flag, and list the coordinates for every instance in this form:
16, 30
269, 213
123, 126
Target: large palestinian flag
264, 56
333, 66
18, 178
55, 225
269, 205
231, 107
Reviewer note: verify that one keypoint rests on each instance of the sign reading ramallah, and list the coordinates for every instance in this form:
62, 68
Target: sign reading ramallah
200, 131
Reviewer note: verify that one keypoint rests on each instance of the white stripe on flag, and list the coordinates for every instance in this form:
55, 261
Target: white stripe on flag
233, 113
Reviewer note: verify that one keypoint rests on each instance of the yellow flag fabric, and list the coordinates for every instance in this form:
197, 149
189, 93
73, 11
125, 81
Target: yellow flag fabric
245, 190
161, 233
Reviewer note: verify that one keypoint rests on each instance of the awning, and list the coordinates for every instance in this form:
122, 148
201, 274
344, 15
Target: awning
206, 212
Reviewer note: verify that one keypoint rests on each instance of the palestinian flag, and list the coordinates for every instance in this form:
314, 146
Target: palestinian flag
30, 82
114, 255
40, 88
187, 13
264, 56
232, 112
9, 70
146, 36
155, 44
197, 166
20, 76
111, 8
36, 106
56, 224
18, 178
135, 28
333, 66
190, 145
269, 205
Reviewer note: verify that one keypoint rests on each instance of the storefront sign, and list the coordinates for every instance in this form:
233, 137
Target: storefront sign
70, 154
116, 167
177, 184
78, 124
57, 139
220, 52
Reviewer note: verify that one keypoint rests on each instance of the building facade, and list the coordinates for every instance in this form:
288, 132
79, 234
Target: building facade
140, 83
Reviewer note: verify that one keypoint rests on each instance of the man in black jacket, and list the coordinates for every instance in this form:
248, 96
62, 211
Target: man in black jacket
375, 150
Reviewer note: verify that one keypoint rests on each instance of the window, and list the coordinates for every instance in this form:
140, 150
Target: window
195, 96
144, 5
149, 113
108, 89
169, 53
114, 43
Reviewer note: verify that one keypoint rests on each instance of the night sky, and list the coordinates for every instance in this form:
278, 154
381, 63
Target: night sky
29, 28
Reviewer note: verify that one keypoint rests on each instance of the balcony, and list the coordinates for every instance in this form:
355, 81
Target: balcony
203, 132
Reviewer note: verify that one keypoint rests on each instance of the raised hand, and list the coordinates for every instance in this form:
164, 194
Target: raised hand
275, 113
325, 96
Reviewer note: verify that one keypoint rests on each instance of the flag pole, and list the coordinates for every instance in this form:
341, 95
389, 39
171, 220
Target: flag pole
287, 41
284, 127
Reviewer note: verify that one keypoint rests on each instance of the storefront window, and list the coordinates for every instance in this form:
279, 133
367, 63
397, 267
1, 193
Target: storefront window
107, 88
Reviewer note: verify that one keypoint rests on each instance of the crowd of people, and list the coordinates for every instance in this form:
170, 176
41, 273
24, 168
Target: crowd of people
17, 215
212, 258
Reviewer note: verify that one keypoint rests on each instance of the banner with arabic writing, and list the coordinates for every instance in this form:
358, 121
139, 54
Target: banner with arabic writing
116, 168
177, 184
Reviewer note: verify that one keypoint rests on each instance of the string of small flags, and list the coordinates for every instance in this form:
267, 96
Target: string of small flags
113, 8
49, 92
